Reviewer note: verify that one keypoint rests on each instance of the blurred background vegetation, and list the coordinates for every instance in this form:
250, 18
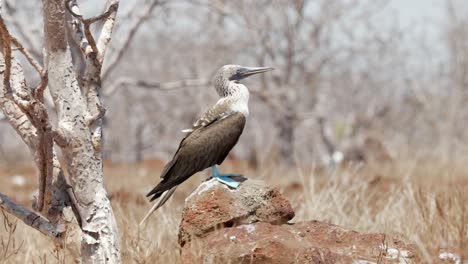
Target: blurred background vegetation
370, 79
380, 83
357, 79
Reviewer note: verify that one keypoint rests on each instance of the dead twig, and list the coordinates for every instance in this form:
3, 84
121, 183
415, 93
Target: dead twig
74, 10
112, 9
30, 218
90, 120
95, 52
8, 40
39, 91
27, 55
30, 107
107, 28
24, 31
137, 23
164, 86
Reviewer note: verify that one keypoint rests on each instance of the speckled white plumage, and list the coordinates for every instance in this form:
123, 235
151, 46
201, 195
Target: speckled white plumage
234, 98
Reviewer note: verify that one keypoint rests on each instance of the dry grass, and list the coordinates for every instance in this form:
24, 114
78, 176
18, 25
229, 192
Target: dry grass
425, 204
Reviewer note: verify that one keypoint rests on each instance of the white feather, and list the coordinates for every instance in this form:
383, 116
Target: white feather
238, 101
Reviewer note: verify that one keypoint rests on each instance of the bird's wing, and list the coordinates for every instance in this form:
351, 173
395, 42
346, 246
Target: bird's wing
202, 148
217, 112
204, 121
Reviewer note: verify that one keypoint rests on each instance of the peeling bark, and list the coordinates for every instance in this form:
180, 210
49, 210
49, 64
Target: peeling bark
30, 218
78, 132
32, 126
79, 113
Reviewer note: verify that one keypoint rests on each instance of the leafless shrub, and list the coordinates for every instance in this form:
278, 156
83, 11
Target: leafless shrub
9, 246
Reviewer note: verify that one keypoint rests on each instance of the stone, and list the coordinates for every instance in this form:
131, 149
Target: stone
304, 242
214, 205
251, 225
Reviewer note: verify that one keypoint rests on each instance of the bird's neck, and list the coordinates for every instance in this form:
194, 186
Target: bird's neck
235, 97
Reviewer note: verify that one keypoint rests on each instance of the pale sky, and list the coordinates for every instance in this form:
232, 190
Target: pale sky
416, 11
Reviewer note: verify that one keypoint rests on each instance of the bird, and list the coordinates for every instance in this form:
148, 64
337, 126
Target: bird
211, 137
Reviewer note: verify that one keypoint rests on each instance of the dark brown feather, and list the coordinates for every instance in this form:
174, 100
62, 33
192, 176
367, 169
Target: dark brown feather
201, 149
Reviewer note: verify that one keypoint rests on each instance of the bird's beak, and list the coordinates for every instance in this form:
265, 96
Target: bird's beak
248, 71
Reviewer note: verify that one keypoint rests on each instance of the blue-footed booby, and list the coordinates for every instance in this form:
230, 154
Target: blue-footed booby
211, 137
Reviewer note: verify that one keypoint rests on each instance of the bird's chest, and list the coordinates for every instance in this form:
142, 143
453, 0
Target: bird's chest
239, 107
238, 103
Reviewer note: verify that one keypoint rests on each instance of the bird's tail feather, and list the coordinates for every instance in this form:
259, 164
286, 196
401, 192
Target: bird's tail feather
164, 197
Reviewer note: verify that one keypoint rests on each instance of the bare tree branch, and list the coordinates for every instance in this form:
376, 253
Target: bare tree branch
94, 55
77, 27
24, 31
27, 55
5, 35
96, 49
29, 118
107, 28
79, 132
166, 86
25, 111
84, 26
31, 219
40, 89
147, 9
13, 113
92, 79
8, 39
35, 112
270, 98
214, 5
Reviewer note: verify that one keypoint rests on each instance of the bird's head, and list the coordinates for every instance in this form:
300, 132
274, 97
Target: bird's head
234, 73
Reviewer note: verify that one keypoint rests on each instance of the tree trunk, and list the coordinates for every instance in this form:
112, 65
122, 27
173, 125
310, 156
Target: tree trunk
53, 197
80, 128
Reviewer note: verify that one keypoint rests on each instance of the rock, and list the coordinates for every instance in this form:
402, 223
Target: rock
305, 242
250, 225
214, 205
452, 256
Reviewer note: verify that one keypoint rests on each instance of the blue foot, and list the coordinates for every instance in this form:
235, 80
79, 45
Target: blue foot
225, 178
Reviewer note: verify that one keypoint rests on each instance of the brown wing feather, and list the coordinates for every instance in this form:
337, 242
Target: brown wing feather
199, 150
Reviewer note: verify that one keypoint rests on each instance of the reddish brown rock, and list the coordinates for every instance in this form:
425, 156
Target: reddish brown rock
249, 225
213, 206
305, 242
